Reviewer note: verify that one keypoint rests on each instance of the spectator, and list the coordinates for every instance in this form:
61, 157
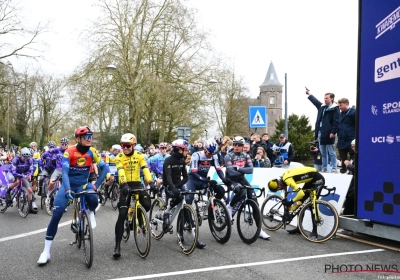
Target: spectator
270, 154
261, 159
246, 149
326, 127
347, 132
257, 142
283, 151
349, 202
317, 156
196, 147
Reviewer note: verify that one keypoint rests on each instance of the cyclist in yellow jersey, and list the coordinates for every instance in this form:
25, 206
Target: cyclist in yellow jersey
291, 178
129, 163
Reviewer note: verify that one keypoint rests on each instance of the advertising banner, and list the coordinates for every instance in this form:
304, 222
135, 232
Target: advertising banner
378, 140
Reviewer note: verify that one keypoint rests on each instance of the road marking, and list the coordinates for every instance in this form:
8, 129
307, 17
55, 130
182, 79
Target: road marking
31, 233
245, 265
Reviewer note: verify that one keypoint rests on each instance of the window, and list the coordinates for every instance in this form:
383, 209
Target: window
272, 100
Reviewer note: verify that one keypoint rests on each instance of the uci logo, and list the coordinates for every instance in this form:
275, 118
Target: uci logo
380, 139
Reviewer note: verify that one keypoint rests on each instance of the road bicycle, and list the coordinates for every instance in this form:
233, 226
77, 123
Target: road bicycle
112, 193
215, 211
320, 225
81, 226
186, 225
137, 221
48, 197
249, 217
20, 195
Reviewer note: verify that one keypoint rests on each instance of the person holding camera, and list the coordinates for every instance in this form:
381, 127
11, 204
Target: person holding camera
283, 151
314, 148
261, 160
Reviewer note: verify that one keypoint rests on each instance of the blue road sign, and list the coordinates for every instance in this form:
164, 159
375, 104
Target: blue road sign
257, 116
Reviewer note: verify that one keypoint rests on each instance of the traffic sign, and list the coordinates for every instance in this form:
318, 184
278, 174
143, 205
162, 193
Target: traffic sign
257, 116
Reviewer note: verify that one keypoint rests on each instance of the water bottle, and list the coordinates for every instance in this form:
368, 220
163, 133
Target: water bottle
163, 195
294, 206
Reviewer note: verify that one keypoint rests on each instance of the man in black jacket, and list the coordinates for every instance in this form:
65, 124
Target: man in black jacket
257, 142
270, 153
326, 128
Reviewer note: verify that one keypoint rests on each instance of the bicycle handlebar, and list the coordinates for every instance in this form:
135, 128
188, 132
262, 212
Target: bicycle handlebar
333, 189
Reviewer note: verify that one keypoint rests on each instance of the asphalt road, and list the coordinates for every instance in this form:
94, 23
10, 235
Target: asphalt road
283, 257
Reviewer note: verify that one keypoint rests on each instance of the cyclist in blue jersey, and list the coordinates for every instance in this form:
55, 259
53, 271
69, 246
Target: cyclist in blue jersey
156, 162
110, 161
76, 164
200, 164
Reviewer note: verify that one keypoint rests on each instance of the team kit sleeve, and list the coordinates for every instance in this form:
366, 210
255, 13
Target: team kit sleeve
144, 167
104, 169
65, 170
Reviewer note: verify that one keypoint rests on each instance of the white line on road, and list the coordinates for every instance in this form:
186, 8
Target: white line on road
245, 265
31, 233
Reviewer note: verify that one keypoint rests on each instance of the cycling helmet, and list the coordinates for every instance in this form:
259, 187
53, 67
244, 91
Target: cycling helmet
116, 147
51, 144
103, 154
128, 138
180, 144
163, 144
32, 144
238, 140
353, 142
211, 146
138, 148
25, 153
275, 184
45, 148
83, 130
64, 140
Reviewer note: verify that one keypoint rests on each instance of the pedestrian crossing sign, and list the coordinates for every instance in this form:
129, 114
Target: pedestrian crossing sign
257, 116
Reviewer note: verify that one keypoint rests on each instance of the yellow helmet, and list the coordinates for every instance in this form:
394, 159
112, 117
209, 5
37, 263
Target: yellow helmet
274, 185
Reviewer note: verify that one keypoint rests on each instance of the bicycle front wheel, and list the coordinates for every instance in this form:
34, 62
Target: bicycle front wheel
23, 203
49, 202
141, 233
219, 222
187, 229
87, 239
272, 211
320, 223
156, 218
249, 221
114, 196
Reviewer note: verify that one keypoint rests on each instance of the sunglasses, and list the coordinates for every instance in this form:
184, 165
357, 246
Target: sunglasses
238, 145
64, 144
126, 146
87, 137
163, 148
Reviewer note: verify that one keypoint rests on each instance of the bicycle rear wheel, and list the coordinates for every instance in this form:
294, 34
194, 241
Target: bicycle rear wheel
114, 196
272, 211
219, 222
102, 197
249, 221
156, 218
186, 225
323, 226
87, 239
141, 232
49, 201
23, 203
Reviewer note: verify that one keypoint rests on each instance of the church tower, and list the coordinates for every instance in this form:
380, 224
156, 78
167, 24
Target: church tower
271, 97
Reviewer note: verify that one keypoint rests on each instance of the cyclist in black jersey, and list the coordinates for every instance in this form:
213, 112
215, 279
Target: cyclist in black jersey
239, 163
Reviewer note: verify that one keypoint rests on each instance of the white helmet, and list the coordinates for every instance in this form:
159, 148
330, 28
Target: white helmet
128, 138
353, 142
25, 153
211, 146
116, 147
238, 140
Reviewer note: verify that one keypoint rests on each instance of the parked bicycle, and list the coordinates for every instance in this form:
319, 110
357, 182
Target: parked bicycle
322, 223
137, 221
215, 211
186, 225
249, 216
48, 197
81, 226
20, 195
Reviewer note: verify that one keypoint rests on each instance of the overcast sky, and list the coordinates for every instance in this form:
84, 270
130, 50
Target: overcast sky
313, 41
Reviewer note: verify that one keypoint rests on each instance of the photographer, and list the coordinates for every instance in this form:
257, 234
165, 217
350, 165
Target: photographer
256, 142
314, 148
261, 160
283, 151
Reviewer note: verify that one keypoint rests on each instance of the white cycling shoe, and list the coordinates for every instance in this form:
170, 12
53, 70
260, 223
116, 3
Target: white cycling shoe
92, 219
263, 235
44, 258
34, 206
